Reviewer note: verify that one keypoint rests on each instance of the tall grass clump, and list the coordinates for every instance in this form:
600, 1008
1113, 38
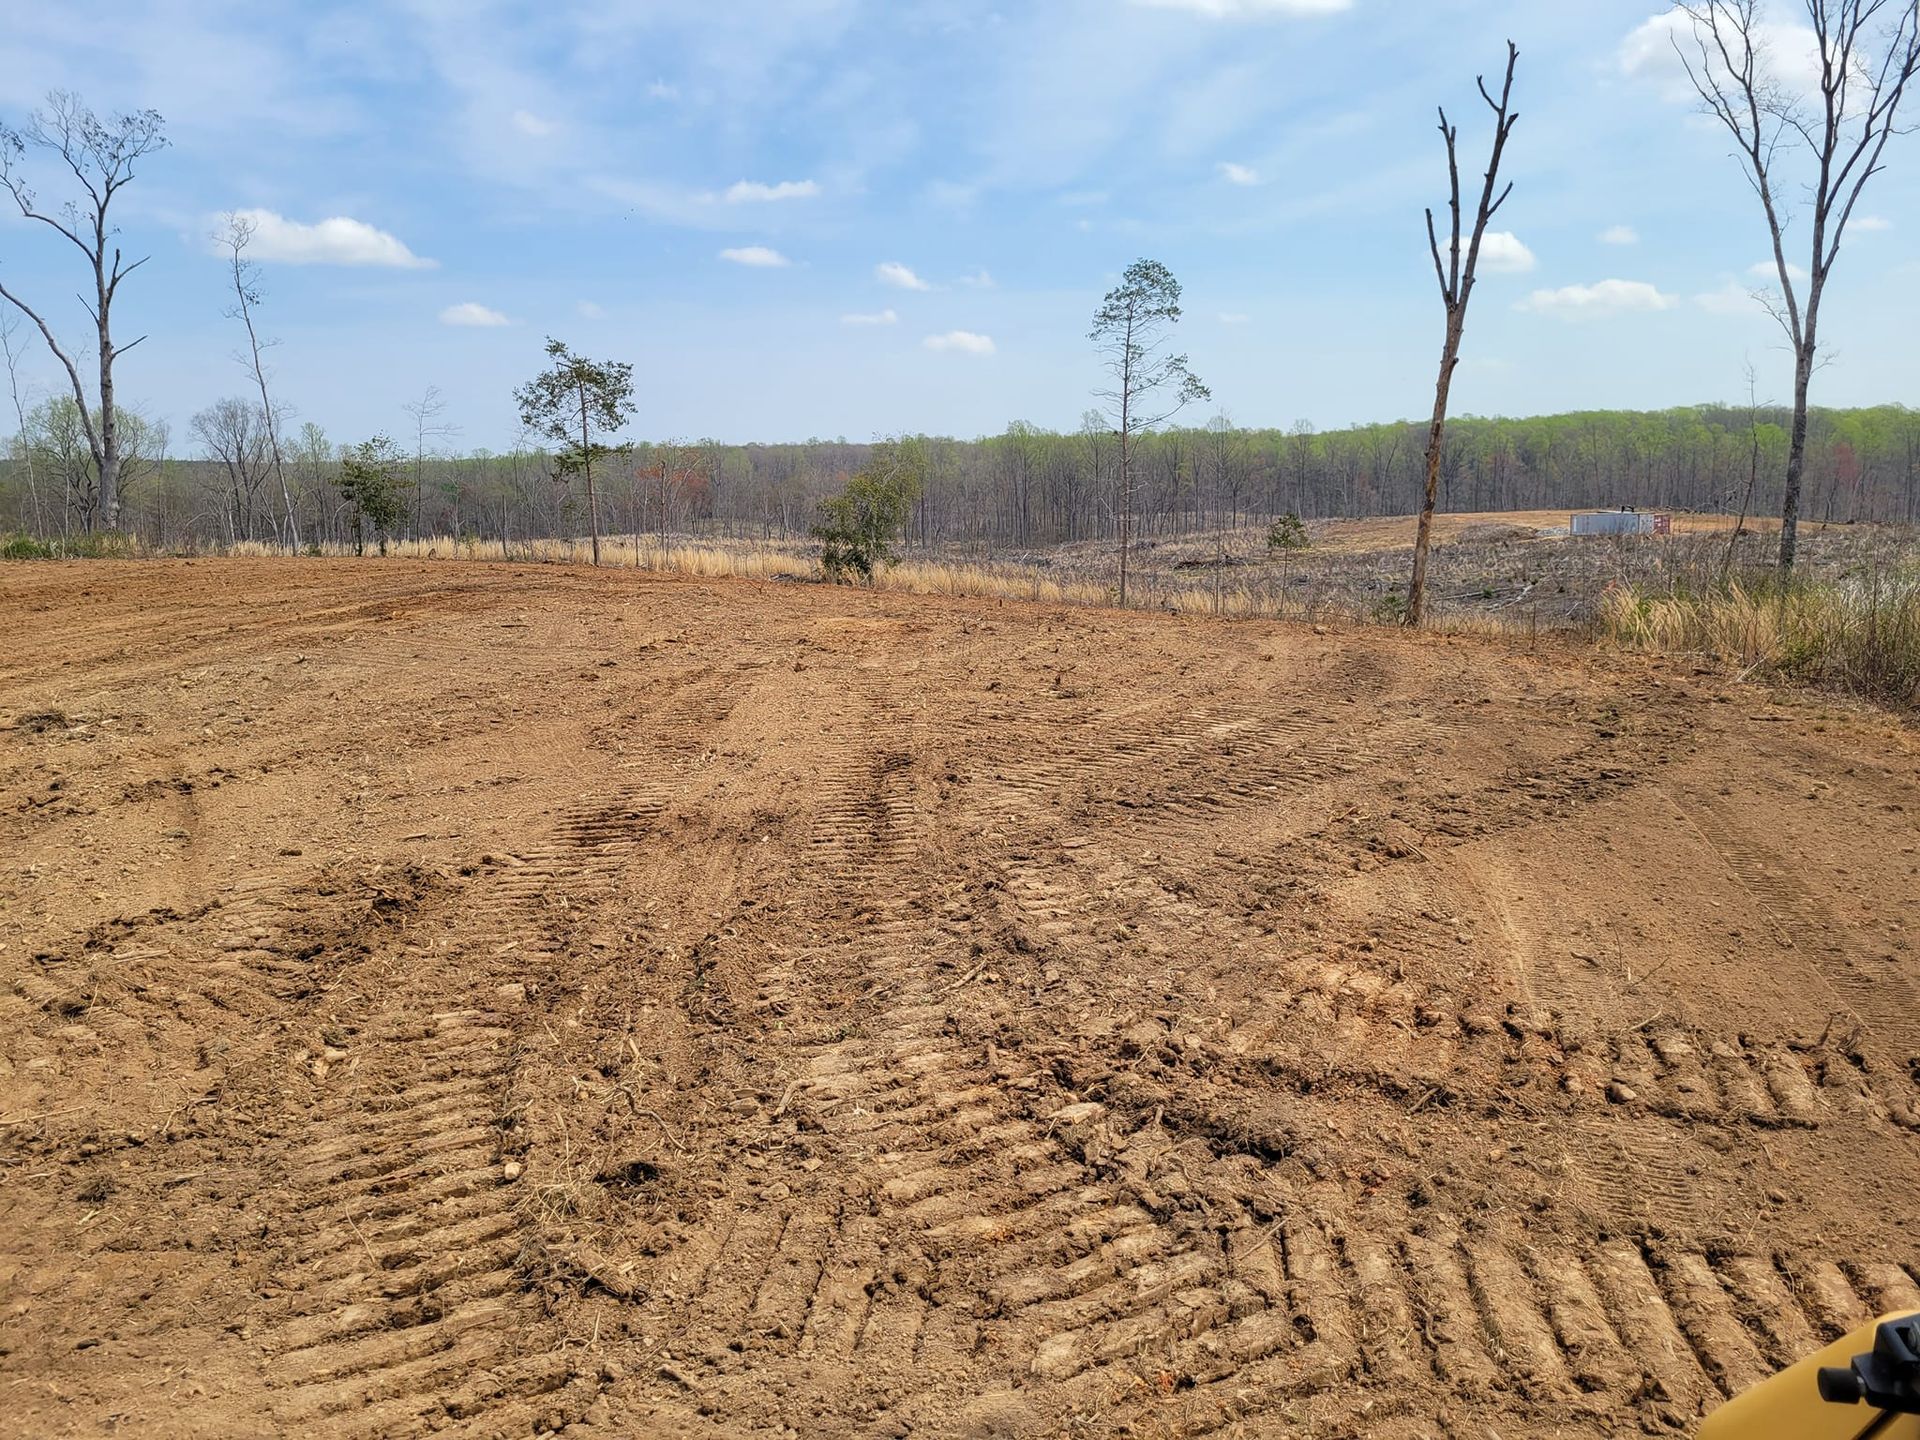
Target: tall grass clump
1858, 632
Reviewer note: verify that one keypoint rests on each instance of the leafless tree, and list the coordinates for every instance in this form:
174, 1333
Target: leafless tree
1868, 51
234, 433
1455, 272
1753, 470
427, 426
9, 327
235, 234
102, 158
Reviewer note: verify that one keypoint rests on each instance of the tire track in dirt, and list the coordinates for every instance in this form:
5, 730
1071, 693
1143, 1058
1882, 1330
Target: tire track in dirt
407, 1234
808, 1269
1884, 1007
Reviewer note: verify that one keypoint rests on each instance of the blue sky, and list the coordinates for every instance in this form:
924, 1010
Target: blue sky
848, 217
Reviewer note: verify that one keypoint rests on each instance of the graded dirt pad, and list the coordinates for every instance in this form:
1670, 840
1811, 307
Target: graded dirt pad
487, 999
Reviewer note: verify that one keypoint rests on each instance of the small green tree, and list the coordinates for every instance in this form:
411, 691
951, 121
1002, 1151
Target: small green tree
569, 403
1148, 386
370, 482
1287, 534
857, 526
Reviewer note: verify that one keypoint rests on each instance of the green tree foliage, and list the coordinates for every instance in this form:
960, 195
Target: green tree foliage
61, 454
857, 527
370, 482
571, 402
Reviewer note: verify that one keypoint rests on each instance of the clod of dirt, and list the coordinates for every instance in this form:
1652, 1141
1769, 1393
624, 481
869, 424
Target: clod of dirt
38, 722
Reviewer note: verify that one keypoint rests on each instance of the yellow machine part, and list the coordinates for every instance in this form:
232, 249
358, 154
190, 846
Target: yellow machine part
1788, 1406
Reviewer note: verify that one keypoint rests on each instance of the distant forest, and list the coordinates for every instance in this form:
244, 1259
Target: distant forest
1022, 489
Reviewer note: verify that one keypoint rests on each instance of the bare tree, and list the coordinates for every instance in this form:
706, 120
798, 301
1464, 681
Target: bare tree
1129, 331
1753, 470
234, 432
427, 425
102, 158
1868, 50
1455, 273
236, 233
8, 328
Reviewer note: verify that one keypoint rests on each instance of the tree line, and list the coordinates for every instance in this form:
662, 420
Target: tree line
79, 460
1024, 488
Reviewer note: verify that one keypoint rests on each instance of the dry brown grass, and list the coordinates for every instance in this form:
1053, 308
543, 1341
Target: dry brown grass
1263, 593
1858, 632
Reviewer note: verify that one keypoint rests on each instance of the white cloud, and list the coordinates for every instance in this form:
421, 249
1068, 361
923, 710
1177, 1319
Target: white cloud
758, 256
892, 272
746, 192
528, 123
1619, 235
473, 315
1238, 174
1249, 9
1603, 297
661, 90
878, 317
1503, 254
590, 311
978, 279
1731, 298
1872, 222
964, 341
1652, 52
1234, 317
335, 241
1768, 271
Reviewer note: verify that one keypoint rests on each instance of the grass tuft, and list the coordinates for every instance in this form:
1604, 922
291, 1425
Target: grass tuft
1858, 632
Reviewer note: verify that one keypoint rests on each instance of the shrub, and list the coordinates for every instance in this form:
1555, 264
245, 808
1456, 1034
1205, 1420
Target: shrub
97, 545
857, 526
25, 547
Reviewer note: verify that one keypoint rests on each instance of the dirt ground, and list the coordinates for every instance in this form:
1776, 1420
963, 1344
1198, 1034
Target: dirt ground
489, 999
1387, 532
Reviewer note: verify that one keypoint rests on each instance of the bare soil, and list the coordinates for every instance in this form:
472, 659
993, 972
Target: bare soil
489, 999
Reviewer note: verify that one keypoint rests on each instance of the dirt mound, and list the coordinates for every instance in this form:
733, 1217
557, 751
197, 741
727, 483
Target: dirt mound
481, 1000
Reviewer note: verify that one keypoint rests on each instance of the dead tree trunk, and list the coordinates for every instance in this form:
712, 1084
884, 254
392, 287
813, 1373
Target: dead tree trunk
586, 453
1455, 274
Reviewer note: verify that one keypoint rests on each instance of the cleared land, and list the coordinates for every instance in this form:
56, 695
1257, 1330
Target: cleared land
486, 998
